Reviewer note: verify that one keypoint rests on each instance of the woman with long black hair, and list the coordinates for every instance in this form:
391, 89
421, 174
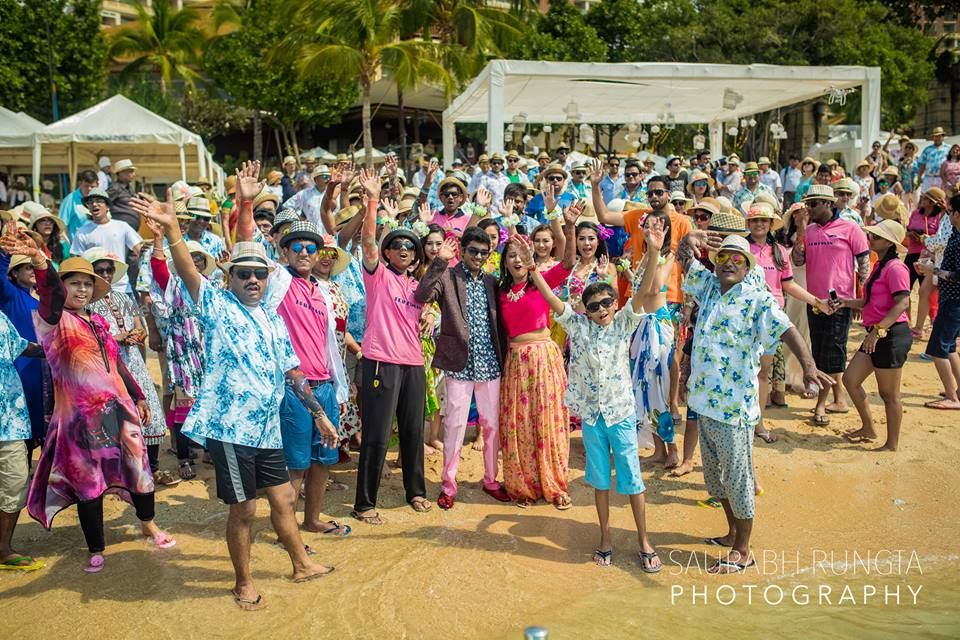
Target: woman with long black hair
885, 349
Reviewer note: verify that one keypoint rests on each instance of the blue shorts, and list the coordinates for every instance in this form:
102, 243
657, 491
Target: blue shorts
599, 441
946, 329
301, 440
692, 416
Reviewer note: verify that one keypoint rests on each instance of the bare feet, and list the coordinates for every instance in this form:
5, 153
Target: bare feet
478, 443
311, 572
837, 407
683, 469
778, 398
943, 404
886, 447
436, 444
656, 458
672, 461
428, 450
386, 472
861, 435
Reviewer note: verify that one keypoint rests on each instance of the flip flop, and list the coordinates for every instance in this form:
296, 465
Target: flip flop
162, 540
606, 557
829, 410
374, 519
21, 563
646, 562
94, 564
767, 436
312, 577
710, 503
939, 405
344, 530
421, 506
821, 421
736, 566
249, 605
717, 542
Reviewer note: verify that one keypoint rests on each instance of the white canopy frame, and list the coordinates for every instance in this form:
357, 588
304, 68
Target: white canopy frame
620, 93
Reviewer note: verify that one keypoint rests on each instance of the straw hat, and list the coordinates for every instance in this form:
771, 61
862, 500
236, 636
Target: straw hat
96, 192
496, 157
763, 211
203, 180
286, 216
552, 169
78, 265
751, 166
483, 158
273, 178
96, 254
209, 262
17, 260
199, 206
230, 185
321, 170
46, 215
890, 207
733, 159
862, 164
7, 216
248, 254
450, 181
770, 199
343, 258
512, 154
266, 196
725, 205
809, 160
728, 222
33, 209
123, 165
543, 155
846, 185
891, 172
937, 131
763, 160
37, 238
736, 244
891, 231
709, 205
289, 160
935, 194
820, 192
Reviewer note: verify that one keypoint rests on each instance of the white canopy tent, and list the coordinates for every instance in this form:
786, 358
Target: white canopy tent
16, 140
161, 150
645, 92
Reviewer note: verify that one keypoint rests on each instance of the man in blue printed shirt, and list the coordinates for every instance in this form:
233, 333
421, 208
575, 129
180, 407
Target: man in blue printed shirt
250, 360
737, 323
932, 156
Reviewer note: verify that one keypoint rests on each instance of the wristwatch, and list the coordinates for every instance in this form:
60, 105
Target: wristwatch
880, 331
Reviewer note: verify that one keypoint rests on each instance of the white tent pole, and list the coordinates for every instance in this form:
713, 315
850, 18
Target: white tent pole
716, 139
870, 110
183, 164
495, 108
35, 175
449, 139
202, 160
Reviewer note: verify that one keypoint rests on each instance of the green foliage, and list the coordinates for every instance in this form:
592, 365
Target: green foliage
240, 63
561, 34
76, 47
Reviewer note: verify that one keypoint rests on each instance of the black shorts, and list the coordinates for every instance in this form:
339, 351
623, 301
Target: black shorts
946, 329
241, 470
910, 260
828, 339
892, 350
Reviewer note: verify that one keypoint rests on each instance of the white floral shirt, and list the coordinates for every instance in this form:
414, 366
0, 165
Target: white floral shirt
733, 330
13, 404
599, 378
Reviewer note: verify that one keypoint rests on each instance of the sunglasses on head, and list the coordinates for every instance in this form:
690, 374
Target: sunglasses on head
474, 251
594, 306
260, 273
738, 259
555, 178
453, 193
402, 245
297, 247
656, 192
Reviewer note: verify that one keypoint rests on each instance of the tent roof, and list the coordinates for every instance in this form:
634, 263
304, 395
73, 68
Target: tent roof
117, 120
616, 93
16, 129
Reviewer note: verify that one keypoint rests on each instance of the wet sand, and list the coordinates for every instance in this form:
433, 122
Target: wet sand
487, 570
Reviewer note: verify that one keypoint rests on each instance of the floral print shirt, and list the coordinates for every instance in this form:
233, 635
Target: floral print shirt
13, 404
599, 378
482, 362
733, 330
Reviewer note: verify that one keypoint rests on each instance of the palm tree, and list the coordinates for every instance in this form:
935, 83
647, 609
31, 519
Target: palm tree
168, 42
359, 39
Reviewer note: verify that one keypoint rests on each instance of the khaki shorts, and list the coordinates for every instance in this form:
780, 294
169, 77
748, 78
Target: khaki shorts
14, 473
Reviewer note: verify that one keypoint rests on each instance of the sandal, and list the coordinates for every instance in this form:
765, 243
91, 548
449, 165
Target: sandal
646, 562
162, 540
249, 605
337, 530
821, 421
603, 558
767, 436
421, 505
376, 518
524, 504
562, 503
94, 563
187, 471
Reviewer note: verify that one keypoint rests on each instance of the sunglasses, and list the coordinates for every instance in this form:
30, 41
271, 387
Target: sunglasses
814, 203
700, 183
500, 162
555, 178
512, 159
580, 173
259, 273
450, 194
594, 306
474, 251
702, 217
632, 174
402, 245
656, 192
328, 254
751, 173
297, 247
679, 203
108, 270
738, 259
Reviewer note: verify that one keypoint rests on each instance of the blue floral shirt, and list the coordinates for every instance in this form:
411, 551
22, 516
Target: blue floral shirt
743, 194
355, 293
733, 330
15, 424
248, 352
932, 157
212, 244
482, 362
599, 378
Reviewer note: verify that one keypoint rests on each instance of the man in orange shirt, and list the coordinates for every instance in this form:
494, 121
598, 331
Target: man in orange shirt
632, 220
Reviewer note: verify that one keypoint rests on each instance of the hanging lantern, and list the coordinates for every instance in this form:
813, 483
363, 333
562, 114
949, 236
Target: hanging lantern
632, 127
547, 128
732, 131
699, 142
655, 129
645, 137
752, 122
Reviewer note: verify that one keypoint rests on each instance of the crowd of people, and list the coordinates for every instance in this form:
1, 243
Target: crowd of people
323, 310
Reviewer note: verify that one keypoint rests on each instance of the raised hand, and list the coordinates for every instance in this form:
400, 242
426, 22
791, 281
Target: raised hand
162, 213
603, 266
424, 211
248, 185
448, 250
390, 166
432, 169
506, 207
17, 242
336, 174
389, 207
483, 197
573, 212
347, 172
155, 228
596, 171
524, 250
653, 234
549, 201
370, 182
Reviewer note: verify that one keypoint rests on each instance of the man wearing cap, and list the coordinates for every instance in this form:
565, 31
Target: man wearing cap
676, 177
116, 237
121, 192
513, 173
103, 175
737, 323
198, 229
72, 211
577, 186
305, 175
310, 200
932, 156
837, 253
751, 188
479, 171
563, 151
770, 178
250, 365
543, 160
495, 181
790, 177
847, 191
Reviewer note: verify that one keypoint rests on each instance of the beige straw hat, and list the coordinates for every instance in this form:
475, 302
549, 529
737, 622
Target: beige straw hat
891, 231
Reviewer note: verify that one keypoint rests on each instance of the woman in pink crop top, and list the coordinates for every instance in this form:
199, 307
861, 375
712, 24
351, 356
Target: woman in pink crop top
533, 419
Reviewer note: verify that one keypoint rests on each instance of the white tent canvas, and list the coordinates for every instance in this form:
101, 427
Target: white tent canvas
17, 131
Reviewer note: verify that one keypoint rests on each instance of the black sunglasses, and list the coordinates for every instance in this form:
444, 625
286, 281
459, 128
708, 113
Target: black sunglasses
594, 306
402, 245
260, 273
632, 174
555, 178
656, 192
451, 194
474, 251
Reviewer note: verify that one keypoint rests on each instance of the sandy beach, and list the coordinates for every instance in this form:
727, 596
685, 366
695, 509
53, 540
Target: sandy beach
834, 515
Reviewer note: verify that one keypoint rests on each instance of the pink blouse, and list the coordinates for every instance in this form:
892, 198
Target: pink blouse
530, 312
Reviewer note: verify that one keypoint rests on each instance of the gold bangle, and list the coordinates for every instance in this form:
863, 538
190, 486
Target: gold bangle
173, 244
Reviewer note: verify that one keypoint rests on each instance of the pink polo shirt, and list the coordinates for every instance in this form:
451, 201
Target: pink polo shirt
451, 224
774, 277
304, 311
894, 279
393, 318
831, 257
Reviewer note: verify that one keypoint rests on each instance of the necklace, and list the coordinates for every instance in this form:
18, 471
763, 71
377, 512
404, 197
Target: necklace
514, 296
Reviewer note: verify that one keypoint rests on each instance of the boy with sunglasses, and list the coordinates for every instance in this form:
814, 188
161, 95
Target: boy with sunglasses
599, 391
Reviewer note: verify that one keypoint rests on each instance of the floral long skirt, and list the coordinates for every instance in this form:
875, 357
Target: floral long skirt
534, 427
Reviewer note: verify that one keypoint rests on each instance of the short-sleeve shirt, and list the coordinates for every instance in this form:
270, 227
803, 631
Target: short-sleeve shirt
393, 318
733, 330
305, 314
116, 237
950, 289
832, 249
482, 362
454, 224
599, 379
679, 227
248, 353
15, 424
932, 157
923, 225
773, 276
530, 312
212, 244
893, 279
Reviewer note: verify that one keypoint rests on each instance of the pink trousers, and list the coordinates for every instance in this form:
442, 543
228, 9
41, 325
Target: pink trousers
457, 409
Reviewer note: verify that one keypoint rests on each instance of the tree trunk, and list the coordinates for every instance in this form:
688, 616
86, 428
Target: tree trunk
367, 133
276, 136
403, 129
257, 136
